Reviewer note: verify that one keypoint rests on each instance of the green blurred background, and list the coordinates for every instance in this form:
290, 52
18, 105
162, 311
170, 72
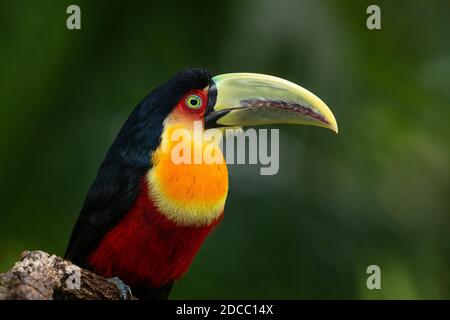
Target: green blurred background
377, 193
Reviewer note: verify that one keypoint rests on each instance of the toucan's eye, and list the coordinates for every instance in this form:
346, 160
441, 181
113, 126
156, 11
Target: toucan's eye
194, 102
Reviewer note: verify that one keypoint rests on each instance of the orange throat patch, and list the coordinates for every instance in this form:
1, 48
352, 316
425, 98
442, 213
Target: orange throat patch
189, 194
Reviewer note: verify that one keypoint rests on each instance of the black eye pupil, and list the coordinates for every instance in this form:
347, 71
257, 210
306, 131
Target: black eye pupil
194, 102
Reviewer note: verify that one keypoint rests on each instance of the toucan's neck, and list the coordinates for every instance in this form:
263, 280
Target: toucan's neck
188, 194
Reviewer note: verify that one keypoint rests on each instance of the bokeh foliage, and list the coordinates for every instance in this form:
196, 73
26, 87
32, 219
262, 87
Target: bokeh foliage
377, 193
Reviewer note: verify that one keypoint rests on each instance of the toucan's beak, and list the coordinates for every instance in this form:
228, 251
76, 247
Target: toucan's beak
249, 99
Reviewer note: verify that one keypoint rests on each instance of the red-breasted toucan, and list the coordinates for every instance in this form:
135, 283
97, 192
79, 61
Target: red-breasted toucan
144, 217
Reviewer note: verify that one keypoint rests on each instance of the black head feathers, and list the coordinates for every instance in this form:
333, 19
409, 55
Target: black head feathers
141, 133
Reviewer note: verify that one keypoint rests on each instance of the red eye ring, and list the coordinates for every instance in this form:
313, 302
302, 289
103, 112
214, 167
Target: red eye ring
194, 102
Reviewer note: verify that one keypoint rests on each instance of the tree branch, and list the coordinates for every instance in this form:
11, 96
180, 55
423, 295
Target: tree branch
41, 276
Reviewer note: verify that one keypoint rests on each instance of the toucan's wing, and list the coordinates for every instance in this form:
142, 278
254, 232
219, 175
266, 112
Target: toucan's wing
110, 197
118, 180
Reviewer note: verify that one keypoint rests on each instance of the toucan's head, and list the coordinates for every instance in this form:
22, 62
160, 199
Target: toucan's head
240, 99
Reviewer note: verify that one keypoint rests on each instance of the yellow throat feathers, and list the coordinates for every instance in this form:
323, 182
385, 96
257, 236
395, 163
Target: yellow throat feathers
189, 194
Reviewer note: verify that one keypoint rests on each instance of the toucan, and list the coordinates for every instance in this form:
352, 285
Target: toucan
145, 217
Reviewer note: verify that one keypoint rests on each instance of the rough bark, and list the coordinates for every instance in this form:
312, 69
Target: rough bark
41, 276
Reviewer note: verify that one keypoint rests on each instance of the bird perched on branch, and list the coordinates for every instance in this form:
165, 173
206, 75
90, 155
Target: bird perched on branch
145, 217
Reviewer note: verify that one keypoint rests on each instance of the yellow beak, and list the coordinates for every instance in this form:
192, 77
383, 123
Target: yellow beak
249, 99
